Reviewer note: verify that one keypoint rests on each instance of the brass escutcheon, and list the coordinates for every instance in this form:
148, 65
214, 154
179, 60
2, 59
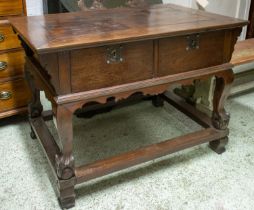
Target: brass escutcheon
193, 42
114, 54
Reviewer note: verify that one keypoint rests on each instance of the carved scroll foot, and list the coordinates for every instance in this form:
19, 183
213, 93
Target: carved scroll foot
218, 146
66, 193
221, 120
157, 101
65, 167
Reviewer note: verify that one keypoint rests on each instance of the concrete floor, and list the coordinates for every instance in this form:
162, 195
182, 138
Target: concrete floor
194, 179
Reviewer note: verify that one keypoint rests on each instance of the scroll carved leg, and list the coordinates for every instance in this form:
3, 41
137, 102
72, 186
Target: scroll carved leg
65, 166
220, 117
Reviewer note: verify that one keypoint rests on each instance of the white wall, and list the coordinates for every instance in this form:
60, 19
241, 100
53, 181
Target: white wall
233, 8
34, 7
186, 3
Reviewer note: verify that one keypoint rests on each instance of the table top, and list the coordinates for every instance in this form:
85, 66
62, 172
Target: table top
58, 32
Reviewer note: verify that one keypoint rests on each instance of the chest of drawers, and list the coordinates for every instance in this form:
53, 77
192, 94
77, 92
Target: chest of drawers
14, 92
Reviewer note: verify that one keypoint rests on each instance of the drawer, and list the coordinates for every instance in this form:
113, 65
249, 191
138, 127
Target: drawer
185, 53
8, 39
11, 7
11, 64
101, 67
13, 94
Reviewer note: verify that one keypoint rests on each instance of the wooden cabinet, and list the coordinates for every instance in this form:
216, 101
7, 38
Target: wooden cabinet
14, 92
13, 7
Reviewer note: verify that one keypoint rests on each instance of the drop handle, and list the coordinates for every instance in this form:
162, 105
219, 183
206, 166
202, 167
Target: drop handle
2, 37
3, 65
5, 95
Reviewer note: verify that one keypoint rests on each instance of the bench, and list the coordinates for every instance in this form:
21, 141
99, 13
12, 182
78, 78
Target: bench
243, 55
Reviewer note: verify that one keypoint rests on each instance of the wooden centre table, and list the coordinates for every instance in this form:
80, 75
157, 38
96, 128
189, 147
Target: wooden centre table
104, 55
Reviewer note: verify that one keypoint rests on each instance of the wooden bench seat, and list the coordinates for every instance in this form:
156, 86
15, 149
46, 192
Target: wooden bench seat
244, 52
243, 55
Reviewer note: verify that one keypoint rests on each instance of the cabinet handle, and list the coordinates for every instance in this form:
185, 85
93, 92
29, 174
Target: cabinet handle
2, 37
3, 65
5, 95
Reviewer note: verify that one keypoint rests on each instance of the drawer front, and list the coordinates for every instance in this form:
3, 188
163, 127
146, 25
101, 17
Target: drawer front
8, 39
11, 7
13, 94
102, 67
186, 53
11, 64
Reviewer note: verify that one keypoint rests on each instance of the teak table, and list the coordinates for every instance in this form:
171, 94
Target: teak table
105, 55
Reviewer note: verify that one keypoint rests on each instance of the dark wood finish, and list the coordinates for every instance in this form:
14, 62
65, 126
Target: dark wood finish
210, 45
92, 28
250, 31
137, 65
112, 55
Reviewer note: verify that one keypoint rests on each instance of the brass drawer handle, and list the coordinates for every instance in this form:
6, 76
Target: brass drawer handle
3, 65
5, 95
2, 37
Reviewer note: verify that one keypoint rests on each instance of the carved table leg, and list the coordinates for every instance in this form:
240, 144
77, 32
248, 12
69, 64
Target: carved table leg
157, 101
65, 166
220, 117
35, 107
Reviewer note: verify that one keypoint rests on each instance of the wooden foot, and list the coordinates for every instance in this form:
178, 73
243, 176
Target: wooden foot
66, 195
64, 162
218, 146
157, 101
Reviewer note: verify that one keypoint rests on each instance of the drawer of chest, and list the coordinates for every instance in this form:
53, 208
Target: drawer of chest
191, 52
11, 64
107, 66
13, 94
11, 7
8, 39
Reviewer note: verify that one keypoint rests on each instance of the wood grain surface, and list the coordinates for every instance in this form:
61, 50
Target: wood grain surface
9, 38
14, 64
90, 65
11, 7
20, 95
94, 28
244, 52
